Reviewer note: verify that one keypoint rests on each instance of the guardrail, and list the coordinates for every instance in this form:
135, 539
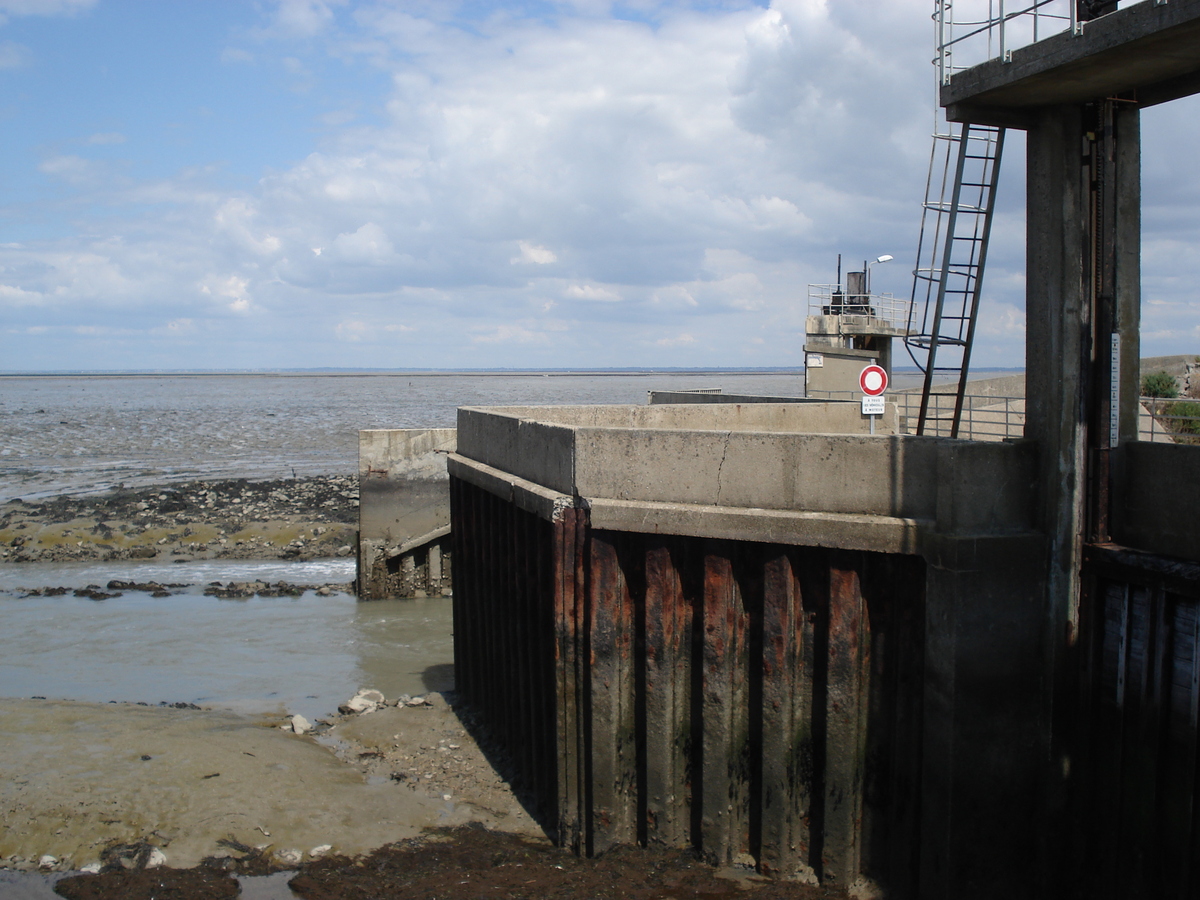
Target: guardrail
984, 418
970, 32
987, 418
859, 309
1175, 421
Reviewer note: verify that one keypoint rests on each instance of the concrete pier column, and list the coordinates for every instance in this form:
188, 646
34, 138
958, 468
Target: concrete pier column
1082, 360
435, 570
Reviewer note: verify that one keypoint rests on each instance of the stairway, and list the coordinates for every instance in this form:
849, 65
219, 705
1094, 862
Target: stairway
955, 226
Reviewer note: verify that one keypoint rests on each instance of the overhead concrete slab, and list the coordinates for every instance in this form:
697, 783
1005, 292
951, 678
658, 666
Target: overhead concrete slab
1148, 52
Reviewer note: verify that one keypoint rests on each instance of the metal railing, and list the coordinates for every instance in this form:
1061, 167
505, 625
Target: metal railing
969, 32
857, 309
984, 418
1175, 421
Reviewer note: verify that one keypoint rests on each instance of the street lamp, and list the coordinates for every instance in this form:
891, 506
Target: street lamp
881, 259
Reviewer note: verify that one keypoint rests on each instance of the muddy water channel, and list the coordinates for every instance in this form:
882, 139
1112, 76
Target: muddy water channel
301, 654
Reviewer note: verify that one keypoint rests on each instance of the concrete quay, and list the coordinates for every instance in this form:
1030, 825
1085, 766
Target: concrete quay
815, 652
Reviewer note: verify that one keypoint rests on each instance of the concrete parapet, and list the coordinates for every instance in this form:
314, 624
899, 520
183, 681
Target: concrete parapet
657, 398
894, 476
1159, 499
795, 416
403, 494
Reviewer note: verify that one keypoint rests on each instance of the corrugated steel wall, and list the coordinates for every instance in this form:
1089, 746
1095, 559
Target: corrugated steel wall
1138, 781
759, 702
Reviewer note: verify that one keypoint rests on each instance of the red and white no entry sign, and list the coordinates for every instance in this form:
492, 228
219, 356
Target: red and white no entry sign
873, 380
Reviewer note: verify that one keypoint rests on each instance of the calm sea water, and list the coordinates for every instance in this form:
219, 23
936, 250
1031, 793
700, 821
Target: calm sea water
71, 434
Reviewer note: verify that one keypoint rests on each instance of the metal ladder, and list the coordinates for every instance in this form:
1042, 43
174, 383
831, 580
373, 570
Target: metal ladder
956, 223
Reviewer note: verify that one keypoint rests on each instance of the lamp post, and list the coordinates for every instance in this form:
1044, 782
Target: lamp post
881, 259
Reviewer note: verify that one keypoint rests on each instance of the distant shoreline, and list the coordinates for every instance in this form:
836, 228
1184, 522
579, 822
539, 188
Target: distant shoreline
419, 373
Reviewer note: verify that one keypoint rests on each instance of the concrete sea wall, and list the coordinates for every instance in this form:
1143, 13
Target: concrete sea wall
404, 512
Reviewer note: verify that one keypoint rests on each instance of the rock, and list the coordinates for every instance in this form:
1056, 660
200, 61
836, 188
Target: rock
92, 868
300, 725
364, 701
320, 850
47, 862
418, 701
157, 858
289, 857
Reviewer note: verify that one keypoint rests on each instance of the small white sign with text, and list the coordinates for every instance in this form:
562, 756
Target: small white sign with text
872, 406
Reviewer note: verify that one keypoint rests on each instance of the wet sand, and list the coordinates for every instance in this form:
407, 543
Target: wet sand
76, 778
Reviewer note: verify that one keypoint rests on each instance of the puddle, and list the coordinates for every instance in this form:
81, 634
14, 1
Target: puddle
40, 885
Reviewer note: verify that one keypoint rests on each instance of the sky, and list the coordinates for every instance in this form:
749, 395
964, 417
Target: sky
218, 184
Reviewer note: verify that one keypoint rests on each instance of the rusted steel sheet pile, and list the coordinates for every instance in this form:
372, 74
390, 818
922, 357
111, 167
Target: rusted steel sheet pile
1137, 800
759, 702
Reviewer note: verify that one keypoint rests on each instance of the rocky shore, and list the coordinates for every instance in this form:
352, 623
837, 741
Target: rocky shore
302, 518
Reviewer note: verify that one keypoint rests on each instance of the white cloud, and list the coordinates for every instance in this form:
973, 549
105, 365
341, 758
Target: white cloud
369, 244
681, 340
75, 170
592, 292
1001, 319
12, 295
239, 219
511, 334
231, 291
532, 253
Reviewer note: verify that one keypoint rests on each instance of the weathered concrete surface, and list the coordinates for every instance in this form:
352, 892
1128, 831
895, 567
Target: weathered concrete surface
1159, 500
863, 475
403, 493
840, 366
660, 458
791, 416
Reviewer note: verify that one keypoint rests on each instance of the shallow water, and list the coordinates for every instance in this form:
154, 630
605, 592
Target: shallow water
40, 886
300, 655
85, 433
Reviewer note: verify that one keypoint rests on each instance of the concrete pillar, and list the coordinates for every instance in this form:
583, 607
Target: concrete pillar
1083, 287
434, 585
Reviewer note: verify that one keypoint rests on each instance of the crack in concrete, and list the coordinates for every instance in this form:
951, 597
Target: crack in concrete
721, 465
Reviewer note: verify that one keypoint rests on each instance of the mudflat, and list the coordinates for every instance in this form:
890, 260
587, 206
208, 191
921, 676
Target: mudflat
297, 518
77, 778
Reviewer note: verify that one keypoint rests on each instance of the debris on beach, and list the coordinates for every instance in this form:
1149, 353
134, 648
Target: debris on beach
365, 701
